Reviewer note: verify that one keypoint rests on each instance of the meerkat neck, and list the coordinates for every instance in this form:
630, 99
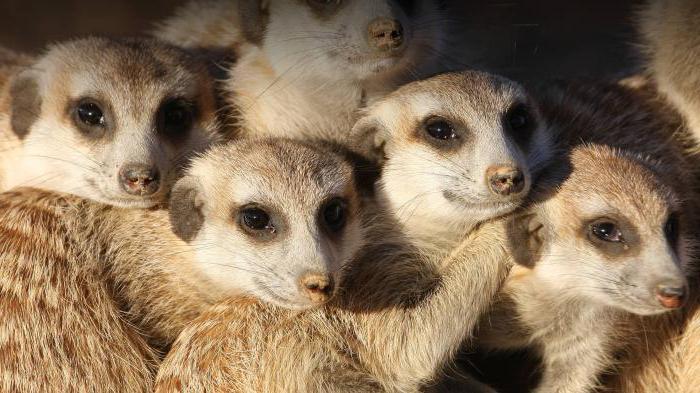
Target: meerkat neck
287, 104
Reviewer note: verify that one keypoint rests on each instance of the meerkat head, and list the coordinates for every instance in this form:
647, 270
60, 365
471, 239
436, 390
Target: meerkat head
610, 232
457, 149
274, 219
348, 39
112, 120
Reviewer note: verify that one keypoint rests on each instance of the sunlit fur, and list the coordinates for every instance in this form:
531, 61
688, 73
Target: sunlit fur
308, 75
133, 78
92, 294
416, 175
670, 38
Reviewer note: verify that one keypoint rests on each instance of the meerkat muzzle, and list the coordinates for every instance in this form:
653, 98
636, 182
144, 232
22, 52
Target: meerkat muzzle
385, 34
670, 295
505, 180
317, 287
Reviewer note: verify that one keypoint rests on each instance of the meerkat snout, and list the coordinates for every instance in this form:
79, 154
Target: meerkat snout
318, 287
139, 179
505, 180
671, 294
385, 34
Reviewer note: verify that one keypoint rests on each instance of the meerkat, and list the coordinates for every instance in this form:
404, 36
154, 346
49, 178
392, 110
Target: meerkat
456, 149
113, 120
670, 36
304, 68
470, 141
93, 293
606, 241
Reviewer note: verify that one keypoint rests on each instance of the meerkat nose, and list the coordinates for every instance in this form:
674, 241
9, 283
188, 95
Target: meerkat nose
139, 179
505, 180
385, 34
670, 295
317, 287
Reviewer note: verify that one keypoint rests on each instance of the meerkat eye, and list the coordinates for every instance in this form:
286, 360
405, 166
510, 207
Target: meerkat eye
334, 214
607, 231
441, 129
90, 114
671, 229
520, 122
175, 117
256, 219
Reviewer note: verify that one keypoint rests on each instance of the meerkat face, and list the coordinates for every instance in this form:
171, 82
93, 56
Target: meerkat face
278, 221
458, 148
611, 233
112, 120
355, 39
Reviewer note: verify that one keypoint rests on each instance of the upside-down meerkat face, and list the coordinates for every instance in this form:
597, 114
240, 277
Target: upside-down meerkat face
458, 148
348, 39
112, 120
274, 219
612, 233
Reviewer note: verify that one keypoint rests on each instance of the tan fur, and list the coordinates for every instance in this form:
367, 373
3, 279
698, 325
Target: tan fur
394, 325
670, 32
98, 293
80, 310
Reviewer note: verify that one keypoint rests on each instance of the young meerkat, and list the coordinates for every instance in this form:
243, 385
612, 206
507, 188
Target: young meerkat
304, 68
409, 299
456, 149
606, 240
113, 120
670, 33
91, 293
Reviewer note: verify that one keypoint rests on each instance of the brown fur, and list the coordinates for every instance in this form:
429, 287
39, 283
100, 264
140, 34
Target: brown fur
396, 321
80, 310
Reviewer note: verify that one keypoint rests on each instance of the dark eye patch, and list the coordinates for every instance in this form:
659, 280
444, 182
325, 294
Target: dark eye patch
91, 117
324, 8
672, 230
176, 118
613, 236
520, 123
441, 133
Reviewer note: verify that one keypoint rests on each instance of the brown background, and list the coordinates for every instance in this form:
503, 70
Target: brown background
529, 40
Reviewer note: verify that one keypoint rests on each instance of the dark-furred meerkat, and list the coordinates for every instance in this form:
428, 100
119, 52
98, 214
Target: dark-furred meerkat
670, 32
606, 242
409, 299
90, 292
113, 120
304, 68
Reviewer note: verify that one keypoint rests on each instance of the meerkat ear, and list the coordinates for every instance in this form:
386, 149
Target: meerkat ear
368, 138
25, 103
254, 16
526, 238
186, 217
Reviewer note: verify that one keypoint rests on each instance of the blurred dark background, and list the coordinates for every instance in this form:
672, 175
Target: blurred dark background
526, 40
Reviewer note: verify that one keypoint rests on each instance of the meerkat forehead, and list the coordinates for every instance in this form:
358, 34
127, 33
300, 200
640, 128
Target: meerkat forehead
277, 172
474, 98
133, 74
605, 181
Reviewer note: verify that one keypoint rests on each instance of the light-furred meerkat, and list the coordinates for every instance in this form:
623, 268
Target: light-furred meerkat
113, 120
670, 32
412, 296
606, 241
456, 149
91, 292
304, 68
